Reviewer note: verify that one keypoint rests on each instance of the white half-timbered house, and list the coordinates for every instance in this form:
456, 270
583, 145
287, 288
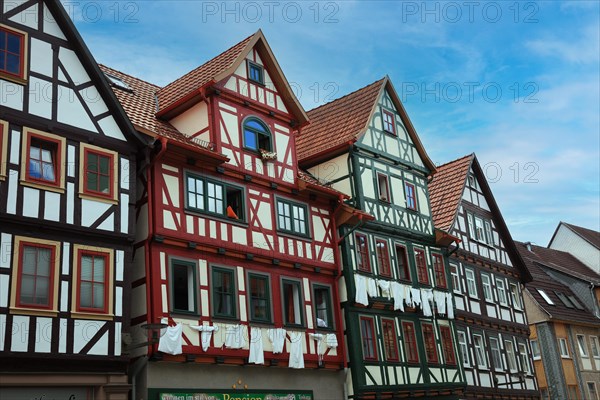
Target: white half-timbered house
67, 186
395, 292
487, 279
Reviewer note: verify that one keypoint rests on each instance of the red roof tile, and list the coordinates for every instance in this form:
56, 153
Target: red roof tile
446, 189
195, 79
337, 122
593, 237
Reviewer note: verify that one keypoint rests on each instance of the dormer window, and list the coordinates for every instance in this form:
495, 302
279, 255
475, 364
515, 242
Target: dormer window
388, 122
117, 82
256, 73
256, 135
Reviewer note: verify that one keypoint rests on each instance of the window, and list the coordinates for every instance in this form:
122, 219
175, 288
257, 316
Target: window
515, 295
402, 260
411, 197
523, 358
362, 253
97, 173
410, 342
496, 355
388, 122
421, 266
93, 281
545, 297
575, 302
292, 217
573, 393
256, 73
259, 298
383, 188
592, 390
429, 340
323, 308
3, 148
183, 287
383, 257
479, 232
471, 286
479, 351
256, 135
464, 349
488, 233
564, 299
487, 287
224, 293
562, 346
480, 229
44, 155
390, 339
510, 355
367, 331
440, 273
535, 349
471, 226
501, 291
35, 272
292, 302
595, 347
222, 199
582, 347
13, 53
117, 82
448, 345
455, 278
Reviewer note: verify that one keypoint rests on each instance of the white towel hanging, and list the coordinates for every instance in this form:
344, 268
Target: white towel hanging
171, 342
277, 339
257, 355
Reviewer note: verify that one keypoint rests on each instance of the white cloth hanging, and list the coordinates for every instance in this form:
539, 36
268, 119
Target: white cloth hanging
360, 283
277, 339
398, 293
440, 301
318, 337
233, 337
372, 288
295, 350
171, 342
206, 334
257, 354
415, 294
450, 305
385, 287
331, 341
426, 299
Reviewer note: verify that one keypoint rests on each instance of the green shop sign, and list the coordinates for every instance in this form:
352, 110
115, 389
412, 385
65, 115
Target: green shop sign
225, 395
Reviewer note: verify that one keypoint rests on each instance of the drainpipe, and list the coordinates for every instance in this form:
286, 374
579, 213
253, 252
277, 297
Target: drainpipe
136, 368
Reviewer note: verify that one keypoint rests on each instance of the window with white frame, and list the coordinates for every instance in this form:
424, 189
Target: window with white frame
515, 294
501, 291
480, 229
455, 278
496, 355
582, 347
487, 287
545, 297
479, 351
523, 357
535, 349
471, 285
511, 357
563, 348
464, 349
592, 391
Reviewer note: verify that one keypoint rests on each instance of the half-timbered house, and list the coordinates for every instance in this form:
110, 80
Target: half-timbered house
395, 292
236, 246
67, 159
488, 276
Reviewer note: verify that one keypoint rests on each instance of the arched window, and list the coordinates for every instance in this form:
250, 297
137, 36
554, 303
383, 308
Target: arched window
256, 135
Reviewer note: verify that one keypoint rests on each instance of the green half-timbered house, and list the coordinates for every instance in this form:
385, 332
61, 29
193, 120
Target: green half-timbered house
364, 145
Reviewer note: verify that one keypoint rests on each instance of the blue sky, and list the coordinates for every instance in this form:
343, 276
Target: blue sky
518, 83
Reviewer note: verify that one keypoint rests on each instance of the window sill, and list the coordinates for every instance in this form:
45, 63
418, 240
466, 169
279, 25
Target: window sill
107, 200
292, 235
33, 311
89, 315
536, 358
41, 186
14, 79
393, 134
222, 218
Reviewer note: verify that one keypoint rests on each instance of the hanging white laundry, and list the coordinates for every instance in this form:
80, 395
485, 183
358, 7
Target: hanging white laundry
318, 337
450, 305
206, 334
426, 299
385, 287
407, 295
440, 301
257, 355
172, 340
295, 350
331, 341
360, 282
277, 339
233, 337
372, 287
398, 293
415, 294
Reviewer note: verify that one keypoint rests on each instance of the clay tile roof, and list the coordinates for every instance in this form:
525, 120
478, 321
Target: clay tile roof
195, 79
593, 237
445, 191
139, 104
337, 122
536, 260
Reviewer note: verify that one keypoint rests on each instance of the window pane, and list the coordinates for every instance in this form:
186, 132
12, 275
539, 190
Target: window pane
250, 139
104, 186
99, 269
42, 288
98, 295
323, 307
104, 165
92, 164
27, 284
86, 268
181, 288
85, 295
13, 63
13, 43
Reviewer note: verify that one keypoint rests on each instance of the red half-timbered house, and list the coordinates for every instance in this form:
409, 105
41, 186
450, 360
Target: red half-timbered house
236, 248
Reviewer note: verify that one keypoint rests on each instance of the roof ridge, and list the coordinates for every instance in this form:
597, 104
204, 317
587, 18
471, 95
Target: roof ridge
347, 94
209, 60
130, 76
456, 160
